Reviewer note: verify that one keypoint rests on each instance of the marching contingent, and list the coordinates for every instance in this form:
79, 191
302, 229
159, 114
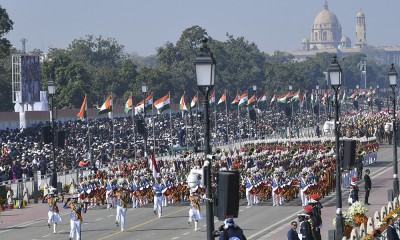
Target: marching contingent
275, 170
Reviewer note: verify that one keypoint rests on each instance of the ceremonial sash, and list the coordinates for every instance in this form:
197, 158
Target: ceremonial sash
78, 214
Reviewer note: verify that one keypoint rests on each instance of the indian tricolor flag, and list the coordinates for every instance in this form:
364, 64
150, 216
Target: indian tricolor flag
162, 104
251, 100
354, 95
273, 99
148, 102
128, 105
325, 98
194, 100
284, 98
243, 100
222, 99
212, 99
182, 105
263, 98
83, 112
107, 106
235, 101
296, 97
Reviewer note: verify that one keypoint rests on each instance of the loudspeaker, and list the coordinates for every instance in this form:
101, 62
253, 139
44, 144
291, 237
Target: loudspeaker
252, 114
47, 134
140, 126
61, 139
227, 202
349, 153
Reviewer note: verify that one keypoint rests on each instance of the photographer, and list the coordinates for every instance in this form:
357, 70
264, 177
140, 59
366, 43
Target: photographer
230, 231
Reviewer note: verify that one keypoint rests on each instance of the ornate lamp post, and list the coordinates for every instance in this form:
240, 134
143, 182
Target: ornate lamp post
317, 88
335, 75
392, 75
291, 113
51, 87
205, 74
144, 91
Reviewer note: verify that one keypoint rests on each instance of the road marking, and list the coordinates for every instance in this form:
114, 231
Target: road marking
241, 210
186, 233
45, 236
142, 224
174, 238
215, 220
110, 215
99, 219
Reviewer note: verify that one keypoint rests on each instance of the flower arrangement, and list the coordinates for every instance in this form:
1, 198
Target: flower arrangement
347, 218
358, 208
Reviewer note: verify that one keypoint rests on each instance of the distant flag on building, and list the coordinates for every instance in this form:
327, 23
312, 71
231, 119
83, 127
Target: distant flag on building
284, 98
83, 112
194, 100
243, 100
128, 105
162, 104
182, 105
273, 99
235, 101
107, 106
222, 99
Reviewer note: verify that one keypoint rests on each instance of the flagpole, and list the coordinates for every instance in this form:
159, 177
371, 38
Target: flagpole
238, 114
88, 130
170, 118
227, 119
215, 114
112, 119
248, 116
154, 124
133, 126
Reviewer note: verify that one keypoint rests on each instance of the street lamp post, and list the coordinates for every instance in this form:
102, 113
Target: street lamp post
335, 74
371, 99
144, 91
393, 83
317, 88
52, 91
291, 113
256, 106
205, 74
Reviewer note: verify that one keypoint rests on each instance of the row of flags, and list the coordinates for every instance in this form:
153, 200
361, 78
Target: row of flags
240, 100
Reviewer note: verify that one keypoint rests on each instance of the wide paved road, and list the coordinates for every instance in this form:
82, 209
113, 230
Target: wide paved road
141, 223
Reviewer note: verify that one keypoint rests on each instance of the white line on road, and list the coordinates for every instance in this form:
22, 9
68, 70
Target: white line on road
110, 215
174, 238
241, 210
186, 233
45, 236
99, 219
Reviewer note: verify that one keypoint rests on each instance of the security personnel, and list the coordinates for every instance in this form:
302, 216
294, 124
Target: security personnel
305, 228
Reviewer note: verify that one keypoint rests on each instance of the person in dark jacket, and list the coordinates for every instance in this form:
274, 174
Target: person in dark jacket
231, 231
305, 228
367, 185
391, 230
353, 191
292, 233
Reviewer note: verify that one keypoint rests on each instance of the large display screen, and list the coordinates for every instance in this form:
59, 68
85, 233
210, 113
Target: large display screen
30, 78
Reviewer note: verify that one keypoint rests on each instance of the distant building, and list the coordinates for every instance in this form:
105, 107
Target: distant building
326, 36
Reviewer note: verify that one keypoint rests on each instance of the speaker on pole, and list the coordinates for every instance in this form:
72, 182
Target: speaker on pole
349, 154
227, 202
252, 114
47, 134
140, 126
61, 139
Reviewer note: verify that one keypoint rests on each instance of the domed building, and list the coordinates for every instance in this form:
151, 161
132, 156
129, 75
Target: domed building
326, 32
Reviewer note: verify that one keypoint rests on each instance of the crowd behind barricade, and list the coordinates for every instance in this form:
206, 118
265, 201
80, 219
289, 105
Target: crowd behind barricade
277, 169
21, 150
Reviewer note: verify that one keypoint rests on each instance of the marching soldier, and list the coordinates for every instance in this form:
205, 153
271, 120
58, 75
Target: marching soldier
53, 214
157, 189
75, 215
194, 211
122, 202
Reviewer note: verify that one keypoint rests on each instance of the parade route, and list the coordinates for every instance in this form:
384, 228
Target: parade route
261, 221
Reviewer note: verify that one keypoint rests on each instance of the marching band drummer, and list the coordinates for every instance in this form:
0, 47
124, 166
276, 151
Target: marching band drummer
194, 211
134, 192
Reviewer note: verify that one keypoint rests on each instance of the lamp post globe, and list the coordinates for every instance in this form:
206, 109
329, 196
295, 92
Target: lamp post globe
205, 75
335, 80
392, 76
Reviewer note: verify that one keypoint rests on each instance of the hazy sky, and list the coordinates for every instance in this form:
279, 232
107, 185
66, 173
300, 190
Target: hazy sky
143, 26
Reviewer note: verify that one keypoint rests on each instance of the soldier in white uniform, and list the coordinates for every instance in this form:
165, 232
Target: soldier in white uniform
53, 213
75, 215
194, 211
122, 202
157, 189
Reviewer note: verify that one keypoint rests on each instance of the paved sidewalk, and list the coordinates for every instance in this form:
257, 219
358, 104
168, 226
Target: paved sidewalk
382, 180
31, 213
